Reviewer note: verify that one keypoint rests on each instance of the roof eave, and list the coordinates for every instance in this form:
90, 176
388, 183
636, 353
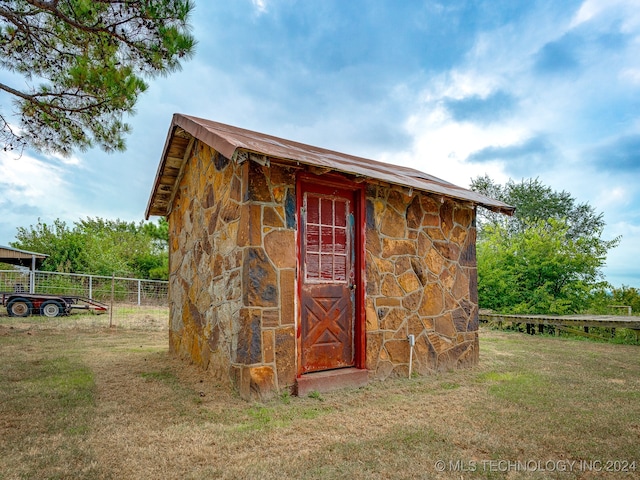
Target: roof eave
202, 130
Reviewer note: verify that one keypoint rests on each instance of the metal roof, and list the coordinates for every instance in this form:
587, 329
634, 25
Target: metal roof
239, 144
15, 256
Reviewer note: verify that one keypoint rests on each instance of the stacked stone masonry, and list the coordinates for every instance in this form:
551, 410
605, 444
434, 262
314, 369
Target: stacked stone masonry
420, 280
233, 276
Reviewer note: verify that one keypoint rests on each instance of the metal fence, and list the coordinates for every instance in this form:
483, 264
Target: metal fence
131, 302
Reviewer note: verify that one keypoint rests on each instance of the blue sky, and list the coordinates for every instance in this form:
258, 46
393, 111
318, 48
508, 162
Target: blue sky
511, 89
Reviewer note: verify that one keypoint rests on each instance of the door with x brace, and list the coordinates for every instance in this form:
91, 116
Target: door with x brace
328, 282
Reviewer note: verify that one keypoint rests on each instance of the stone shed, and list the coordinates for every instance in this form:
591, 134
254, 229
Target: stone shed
297, 268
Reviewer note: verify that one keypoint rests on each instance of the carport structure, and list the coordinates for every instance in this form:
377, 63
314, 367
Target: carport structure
22, 258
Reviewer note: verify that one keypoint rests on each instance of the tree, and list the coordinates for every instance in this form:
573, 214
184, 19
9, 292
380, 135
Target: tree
89, 58
159, 234
616, 300
63, 245
547, 258
535, 202
100, 247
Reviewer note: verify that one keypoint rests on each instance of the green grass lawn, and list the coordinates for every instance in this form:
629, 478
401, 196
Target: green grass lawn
112, 403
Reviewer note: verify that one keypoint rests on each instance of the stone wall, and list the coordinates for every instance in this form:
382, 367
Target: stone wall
232, 264
265, 359
205, 262
421, 279
232, 272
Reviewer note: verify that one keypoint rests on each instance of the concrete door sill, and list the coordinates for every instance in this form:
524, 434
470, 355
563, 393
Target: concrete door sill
332, 380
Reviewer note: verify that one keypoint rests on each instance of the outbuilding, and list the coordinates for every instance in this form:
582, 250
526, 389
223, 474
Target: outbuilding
296, 268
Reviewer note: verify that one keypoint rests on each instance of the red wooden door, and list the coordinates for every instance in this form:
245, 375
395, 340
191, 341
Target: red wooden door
327, 280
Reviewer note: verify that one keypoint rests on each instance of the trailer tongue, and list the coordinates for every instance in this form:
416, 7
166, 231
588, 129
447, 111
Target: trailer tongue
21, 304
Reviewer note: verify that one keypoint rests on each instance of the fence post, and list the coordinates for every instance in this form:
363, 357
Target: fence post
113, 287
90, 287
32, 275
139, 284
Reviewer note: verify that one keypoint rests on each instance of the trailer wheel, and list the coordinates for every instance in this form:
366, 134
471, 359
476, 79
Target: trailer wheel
51, 308
19, 307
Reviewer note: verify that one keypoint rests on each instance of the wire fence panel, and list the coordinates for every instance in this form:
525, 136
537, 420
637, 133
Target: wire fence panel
123, 302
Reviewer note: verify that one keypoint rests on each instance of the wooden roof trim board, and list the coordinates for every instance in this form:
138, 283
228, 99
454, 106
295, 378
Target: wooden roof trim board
185, 157
11, 252
241, 145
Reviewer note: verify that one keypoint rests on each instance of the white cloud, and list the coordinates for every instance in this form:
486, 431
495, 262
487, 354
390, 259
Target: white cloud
260, 5
32, 188
590, 9
627, 230
631, 75
442, 145
34, 179
502, 61
71, 160
460, 84
619, 270
613, 196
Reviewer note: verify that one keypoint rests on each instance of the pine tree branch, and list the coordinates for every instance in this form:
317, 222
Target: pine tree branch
90, 56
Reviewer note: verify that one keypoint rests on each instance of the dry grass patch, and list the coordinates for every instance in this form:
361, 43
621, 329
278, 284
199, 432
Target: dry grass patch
100, 403
121, 316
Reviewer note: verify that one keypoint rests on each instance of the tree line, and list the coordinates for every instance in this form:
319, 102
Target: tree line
100, 247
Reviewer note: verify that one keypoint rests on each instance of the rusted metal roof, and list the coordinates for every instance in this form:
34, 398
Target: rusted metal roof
239, 145
14, 256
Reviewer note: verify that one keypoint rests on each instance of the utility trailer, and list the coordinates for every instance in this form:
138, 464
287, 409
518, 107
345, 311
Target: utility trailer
20, 304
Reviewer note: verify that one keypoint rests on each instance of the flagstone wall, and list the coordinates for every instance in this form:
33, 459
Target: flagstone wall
421, 280
232, 272
205, 262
